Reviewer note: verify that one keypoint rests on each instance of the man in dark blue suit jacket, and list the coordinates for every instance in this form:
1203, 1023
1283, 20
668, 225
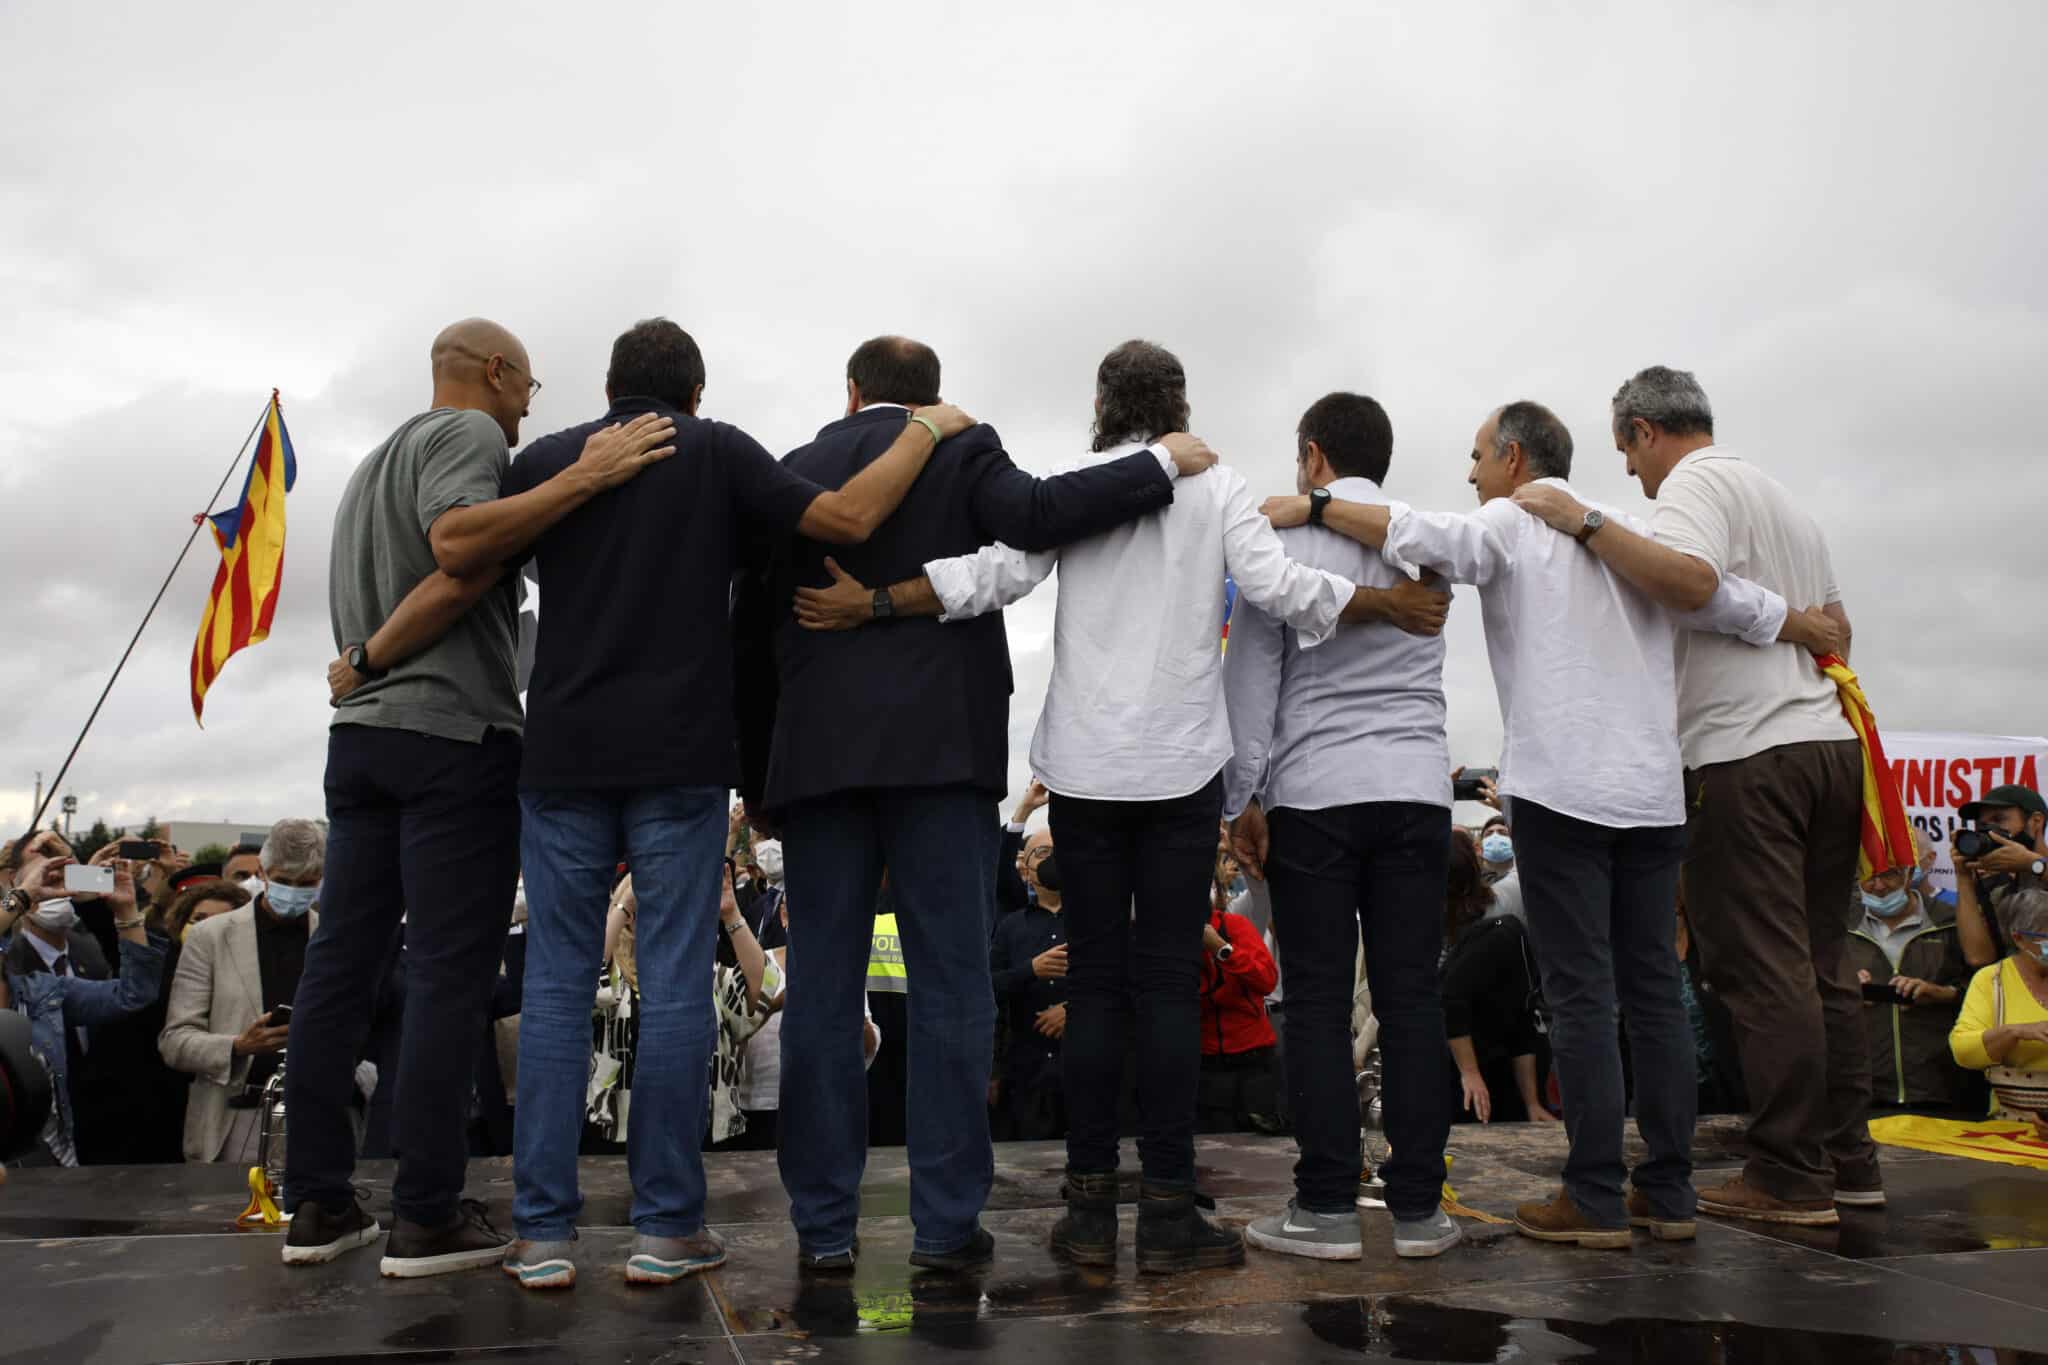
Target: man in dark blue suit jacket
885, 750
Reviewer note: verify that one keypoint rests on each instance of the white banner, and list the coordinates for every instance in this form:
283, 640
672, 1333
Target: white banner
1938, 772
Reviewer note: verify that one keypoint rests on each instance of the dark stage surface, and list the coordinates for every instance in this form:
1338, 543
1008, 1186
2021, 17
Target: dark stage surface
110, 1266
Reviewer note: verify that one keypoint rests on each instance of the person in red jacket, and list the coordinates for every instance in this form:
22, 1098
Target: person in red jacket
1240, 1087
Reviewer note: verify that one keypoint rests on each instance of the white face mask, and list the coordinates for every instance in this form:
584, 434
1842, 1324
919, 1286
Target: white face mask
254, 885
768, 857
57, 915
290, 902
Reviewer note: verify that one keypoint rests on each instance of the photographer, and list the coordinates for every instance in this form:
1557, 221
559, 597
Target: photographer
2000, 855
62, 1005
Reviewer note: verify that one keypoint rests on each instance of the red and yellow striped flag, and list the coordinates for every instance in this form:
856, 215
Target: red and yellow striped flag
1887, 840
251, 540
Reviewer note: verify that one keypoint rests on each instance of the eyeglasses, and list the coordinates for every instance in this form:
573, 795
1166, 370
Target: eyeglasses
532, 384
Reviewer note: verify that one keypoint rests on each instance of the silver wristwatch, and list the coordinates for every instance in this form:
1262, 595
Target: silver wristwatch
1594, 521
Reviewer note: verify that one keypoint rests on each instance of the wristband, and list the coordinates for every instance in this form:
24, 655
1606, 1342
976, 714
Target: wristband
930, 426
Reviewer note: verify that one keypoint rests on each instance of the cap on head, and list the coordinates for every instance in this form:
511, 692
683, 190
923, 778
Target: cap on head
2024, 799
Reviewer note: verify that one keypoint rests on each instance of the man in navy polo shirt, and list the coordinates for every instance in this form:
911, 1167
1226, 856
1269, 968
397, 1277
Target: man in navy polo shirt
629, 755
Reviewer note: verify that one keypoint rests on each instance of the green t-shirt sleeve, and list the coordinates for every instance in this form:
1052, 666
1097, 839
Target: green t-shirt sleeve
462, 463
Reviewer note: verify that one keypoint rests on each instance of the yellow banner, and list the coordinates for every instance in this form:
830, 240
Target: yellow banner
2000, 1140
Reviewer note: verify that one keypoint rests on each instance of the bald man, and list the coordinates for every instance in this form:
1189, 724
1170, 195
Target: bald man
423, 814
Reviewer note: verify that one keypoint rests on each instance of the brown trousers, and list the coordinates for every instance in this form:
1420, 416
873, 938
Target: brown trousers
1770, 868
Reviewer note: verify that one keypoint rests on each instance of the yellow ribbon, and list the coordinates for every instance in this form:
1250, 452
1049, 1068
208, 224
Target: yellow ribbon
262, 1203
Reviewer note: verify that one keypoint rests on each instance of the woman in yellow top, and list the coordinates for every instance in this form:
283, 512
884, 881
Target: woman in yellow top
2003, 1028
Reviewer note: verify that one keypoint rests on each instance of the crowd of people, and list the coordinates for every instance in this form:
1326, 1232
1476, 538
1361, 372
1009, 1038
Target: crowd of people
1249, 880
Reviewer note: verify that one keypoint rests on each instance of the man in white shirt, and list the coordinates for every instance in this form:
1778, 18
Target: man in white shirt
1583, 664
1339, 795
1132, 742
1774, 791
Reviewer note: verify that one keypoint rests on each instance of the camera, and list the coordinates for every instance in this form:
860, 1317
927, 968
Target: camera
1975, 843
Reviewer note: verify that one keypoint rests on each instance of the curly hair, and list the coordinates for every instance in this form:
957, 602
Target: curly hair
175, 916
1141, 393
1467, 897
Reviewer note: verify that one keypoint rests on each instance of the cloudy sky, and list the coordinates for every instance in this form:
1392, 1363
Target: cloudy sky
1832, 214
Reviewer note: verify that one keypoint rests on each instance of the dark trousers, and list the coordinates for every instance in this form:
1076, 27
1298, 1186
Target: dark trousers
1602, 909
426, 826
1135, 978
1768, 873
1376, 868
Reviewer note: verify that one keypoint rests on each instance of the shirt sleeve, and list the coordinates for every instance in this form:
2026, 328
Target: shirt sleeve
1310, 600
1691, 519
1741, 608
1251, 696
1966, 1039
772, 494
1475, 548
465, 463
988, 580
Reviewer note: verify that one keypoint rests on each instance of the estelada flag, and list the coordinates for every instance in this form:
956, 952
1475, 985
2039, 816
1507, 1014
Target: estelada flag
1886, 841
251, 540
2000, 1140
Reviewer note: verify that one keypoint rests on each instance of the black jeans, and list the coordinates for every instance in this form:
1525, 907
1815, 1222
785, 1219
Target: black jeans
1376, 868
426, 828
1135, 977
1602, 907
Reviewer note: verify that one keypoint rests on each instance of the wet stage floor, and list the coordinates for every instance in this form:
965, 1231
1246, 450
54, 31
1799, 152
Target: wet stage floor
139, 1264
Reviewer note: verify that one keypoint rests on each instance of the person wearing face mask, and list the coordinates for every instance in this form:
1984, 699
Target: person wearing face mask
235, 972
2003, 1028
1905, 944
761, 898
2014, 820
1497, 867
65, 1008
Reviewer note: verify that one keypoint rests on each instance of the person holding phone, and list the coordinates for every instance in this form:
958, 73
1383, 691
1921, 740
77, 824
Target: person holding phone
229, 1017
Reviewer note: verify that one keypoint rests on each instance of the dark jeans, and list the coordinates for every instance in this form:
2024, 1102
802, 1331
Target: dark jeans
1135, 977
937, 844
1774, 840
1602, 909
1376, 868
427, 826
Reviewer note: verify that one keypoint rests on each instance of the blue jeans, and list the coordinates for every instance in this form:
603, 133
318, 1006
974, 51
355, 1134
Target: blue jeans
673, 840
938, 846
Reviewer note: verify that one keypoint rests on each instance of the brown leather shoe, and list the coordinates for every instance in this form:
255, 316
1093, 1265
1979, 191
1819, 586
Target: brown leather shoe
1662, 1229
1561, 1221
1739, 1199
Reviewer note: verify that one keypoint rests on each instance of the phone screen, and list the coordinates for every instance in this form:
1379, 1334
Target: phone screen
139, 849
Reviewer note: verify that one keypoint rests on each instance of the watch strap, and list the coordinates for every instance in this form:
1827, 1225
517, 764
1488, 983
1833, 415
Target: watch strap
1318, 505
884, 605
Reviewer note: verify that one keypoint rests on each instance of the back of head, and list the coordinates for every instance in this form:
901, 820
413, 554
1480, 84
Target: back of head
1545, 440
1353, 433
895, 370
295, 848
2025, 912
1669, 399
659, 360
178, 913
1466, 895
1141, 394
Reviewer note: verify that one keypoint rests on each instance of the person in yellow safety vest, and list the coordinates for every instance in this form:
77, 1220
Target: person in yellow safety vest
885, 959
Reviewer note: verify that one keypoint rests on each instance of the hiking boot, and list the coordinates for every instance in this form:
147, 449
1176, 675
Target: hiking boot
1415, 1239
1562, 1221
1087, 1235
1739, 1199
977, 1250
664, 1260
1660, 1229
1173, 1236
318, 1234
1318, 1236
464, 1242
540, 1265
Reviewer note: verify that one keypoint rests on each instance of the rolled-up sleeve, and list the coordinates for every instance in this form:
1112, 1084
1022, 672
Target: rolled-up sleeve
1465, 549
1749, 611
988, 580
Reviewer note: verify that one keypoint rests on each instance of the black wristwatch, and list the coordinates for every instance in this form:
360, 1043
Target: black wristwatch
883, 606
358, 657
1318, 504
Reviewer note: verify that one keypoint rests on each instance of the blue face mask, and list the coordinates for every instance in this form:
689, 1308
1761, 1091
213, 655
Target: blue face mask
1887, 906
1497, 848
290, 902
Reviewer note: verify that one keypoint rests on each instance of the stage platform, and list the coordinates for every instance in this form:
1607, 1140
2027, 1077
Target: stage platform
140, 1264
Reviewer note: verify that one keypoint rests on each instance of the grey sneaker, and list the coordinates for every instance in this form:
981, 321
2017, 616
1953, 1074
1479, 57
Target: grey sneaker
540, 1265
1319, 1236
664, 1260
1431, 1236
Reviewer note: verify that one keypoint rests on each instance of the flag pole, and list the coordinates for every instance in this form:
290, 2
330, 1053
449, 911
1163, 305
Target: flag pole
197, 522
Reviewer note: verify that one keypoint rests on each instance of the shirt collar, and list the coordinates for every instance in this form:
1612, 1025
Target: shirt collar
1916, 918
1356, 488
1703, 453
876, 407
44, 950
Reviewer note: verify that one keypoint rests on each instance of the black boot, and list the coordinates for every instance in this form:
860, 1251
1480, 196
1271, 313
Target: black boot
1173, 1236
1087, 1235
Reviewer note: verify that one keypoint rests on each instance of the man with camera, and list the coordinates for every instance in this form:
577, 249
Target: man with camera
1998, 851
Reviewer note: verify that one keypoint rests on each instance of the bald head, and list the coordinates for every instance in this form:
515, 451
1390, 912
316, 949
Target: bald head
479, 364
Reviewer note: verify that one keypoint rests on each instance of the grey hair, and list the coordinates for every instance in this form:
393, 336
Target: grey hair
2025, 910
1545, 441
1666, 398
295, 848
